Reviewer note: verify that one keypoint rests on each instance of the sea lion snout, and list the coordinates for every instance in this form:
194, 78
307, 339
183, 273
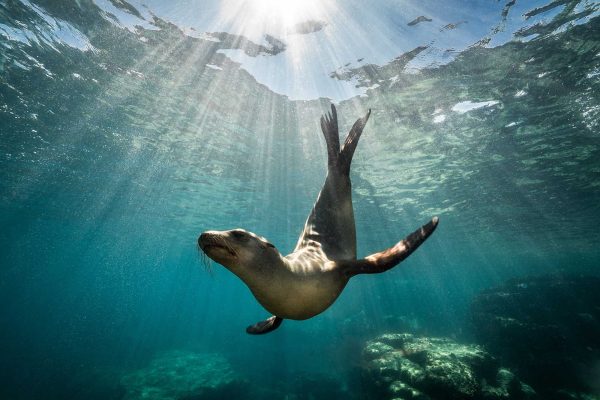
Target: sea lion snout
203, 239
213, 239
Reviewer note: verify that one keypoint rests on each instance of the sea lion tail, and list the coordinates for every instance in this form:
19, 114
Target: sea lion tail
387, 259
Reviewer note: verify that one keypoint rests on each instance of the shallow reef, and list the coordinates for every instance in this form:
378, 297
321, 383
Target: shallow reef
548, 329
404, 366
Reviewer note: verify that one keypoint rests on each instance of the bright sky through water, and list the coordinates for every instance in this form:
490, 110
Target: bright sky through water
323, 36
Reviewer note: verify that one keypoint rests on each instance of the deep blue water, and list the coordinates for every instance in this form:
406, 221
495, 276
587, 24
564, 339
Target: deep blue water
116, 152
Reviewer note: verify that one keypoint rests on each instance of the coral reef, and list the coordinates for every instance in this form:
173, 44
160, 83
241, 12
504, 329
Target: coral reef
547, 328
403, 366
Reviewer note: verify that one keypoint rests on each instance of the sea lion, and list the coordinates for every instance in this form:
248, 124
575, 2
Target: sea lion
307, 281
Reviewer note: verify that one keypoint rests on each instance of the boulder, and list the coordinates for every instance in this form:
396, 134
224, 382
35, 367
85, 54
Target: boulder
403, 366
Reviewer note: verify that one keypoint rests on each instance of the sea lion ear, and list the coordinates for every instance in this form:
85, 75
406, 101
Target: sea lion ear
270, 244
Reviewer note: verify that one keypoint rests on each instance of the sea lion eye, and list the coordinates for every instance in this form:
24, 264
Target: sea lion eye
238, 234
269, 245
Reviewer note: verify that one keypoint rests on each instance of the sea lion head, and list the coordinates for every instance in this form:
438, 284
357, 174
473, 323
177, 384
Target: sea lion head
243, 253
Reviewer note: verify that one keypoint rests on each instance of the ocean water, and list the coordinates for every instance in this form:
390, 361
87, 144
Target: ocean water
128, 128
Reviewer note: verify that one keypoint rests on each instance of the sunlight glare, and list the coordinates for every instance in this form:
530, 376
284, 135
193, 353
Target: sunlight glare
286, 12
254, 18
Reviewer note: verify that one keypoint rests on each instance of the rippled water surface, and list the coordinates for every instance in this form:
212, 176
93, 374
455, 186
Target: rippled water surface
128, 127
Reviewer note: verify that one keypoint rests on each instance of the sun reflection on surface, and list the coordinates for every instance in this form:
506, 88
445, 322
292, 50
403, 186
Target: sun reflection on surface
279, 17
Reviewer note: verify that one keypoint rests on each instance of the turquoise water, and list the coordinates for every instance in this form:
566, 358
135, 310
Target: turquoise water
120, 144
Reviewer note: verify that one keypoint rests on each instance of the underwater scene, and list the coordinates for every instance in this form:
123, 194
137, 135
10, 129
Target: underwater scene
128, 128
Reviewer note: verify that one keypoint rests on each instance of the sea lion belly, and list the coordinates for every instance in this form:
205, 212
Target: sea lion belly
300, 297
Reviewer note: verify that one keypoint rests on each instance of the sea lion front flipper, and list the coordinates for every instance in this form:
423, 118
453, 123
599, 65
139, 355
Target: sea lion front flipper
266, 326
387, 259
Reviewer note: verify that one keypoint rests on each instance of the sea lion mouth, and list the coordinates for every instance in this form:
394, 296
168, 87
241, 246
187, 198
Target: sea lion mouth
217, 246
210, 241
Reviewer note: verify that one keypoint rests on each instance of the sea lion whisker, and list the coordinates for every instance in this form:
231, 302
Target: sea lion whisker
205, 260
222, 242
226, 245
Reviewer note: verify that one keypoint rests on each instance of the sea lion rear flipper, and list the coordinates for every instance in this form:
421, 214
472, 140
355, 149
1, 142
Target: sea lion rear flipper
351, 142
337, 158
384, 260
329, 126
266, 326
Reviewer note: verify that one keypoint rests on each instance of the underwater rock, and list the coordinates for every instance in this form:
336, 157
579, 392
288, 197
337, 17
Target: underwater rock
182, 375
404, 366
546, 327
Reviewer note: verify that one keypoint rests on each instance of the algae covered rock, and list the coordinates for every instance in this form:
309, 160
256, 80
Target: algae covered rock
403, 366
179, 375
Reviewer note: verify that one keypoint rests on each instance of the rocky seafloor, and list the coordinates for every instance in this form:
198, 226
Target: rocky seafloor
182, 375
190, 375
532, 338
